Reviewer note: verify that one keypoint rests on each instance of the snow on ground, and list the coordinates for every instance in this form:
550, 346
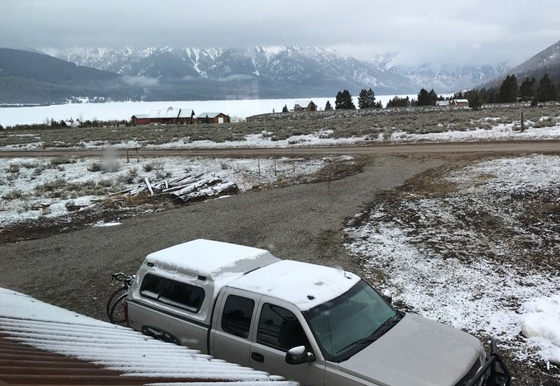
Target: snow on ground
28, 185
434, 260
500, 132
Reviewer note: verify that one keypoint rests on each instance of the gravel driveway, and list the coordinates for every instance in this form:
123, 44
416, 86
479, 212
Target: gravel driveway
302, 222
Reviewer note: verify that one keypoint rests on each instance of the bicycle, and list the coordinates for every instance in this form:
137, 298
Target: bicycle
115, 305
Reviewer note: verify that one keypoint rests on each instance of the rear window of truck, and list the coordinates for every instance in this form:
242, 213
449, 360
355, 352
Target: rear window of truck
172, 292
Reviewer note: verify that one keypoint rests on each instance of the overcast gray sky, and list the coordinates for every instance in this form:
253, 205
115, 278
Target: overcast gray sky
435, 31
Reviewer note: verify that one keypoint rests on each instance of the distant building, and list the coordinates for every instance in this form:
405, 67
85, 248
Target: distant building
168, 116
311, 106
459, 102
212, 118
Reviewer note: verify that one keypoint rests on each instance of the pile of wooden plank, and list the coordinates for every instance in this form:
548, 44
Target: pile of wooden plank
187, 188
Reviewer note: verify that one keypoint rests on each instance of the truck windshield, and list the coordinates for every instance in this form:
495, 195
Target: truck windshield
350, 322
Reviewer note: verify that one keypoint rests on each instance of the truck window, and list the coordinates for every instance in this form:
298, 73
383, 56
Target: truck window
236, 318
172, 292
280, 329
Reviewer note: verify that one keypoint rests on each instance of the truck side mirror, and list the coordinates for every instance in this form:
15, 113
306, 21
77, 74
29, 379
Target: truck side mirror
388, 296
299, 355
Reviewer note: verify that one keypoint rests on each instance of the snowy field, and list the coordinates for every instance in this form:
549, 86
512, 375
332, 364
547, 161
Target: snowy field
27, 185
479, 255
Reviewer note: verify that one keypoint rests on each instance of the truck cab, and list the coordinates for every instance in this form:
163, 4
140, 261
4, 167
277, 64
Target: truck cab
313, 324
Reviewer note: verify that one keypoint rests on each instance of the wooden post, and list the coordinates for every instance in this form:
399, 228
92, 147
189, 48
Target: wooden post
127, 160
522, 123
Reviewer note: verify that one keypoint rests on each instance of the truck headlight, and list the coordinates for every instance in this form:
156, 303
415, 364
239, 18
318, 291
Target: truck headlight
482, 355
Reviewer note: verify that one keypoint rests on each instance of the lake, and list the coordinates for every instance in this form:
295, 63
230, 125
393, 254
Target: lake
237, 109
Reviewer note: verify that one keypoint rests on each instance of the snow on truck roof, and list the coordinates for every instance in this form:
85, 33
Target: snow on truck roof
252, 269
302, 284
210, 258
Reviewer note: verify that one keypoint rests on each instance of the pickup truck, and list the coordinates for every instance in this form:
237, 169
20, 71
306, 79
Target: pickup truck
312, 324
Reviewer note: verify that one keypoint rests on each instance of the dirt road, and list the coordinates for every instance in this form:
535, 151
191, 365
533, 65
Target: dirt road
479, 148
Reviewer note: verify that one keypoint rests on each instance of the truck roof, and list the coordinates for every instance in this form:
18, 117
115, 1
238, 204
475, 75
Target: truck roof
302, 284
210, 258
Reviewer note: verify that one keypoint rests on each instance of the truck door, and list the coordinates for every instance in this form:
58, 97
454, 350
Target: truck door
278, 329
231, 328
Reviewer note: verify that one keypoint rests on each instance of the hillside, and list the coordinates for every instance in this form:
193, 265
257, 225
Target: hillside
545, 62
28, 77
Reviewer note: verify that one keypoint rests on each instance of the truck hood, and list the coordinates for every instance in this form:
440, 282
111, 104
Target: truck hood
416, 352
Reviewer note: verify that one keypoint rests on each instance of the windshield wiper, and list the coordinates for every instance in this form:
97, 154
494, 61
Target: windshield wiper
381, 330
389, 323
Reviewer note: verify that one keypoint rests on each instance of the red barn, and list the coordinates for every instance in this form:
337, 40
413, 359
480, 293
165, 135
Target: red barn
212, 118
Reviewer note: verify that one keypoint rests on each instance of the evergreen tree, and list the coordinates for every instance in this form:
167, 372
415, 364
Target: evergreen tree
285, 109
546, 91
344, 101
328, 106
399, 102
527, 89
475, 101
426, 98
366, 100
508, 90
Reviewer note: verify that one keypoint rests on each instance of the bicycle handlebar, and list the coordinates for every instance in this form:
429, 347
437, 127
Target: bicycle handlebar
120, 276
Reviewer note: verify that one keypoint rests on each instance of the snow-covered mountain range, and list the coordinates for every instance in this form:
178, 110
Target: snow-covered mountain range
276, 71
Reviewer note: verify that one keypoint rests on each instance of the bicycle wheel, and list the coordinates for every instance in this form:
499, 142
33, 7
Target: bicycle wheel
113, 298
116, 314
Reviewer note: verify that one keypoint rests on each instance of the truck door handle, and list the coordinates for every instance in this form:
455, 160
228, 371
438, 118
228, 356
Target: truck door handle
257, 357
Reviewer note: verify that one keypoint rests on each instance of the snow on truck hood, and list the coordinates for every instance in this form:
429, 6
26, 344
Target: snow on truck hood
302, 284
416, 352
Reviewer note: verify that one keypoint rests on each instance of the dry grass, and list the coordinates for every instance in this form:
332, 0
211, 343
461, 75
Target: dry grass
335, 124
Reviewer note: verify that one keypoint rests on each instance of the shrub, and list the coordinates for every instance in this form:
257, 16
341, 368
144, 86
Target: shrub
13, 195
162, 174
107, 183
95, 167
129, 177
62, 160
52, 188
13, 168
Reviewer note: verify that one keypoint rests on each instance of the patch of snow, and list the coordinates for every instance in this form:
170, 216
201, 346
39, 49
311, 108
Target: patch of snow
302, 284
540, 323
29, 185
106, 224
445, 270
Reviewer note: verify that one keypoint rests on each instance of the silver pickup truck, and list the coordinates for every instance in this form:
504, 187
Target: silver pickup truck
309, 323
